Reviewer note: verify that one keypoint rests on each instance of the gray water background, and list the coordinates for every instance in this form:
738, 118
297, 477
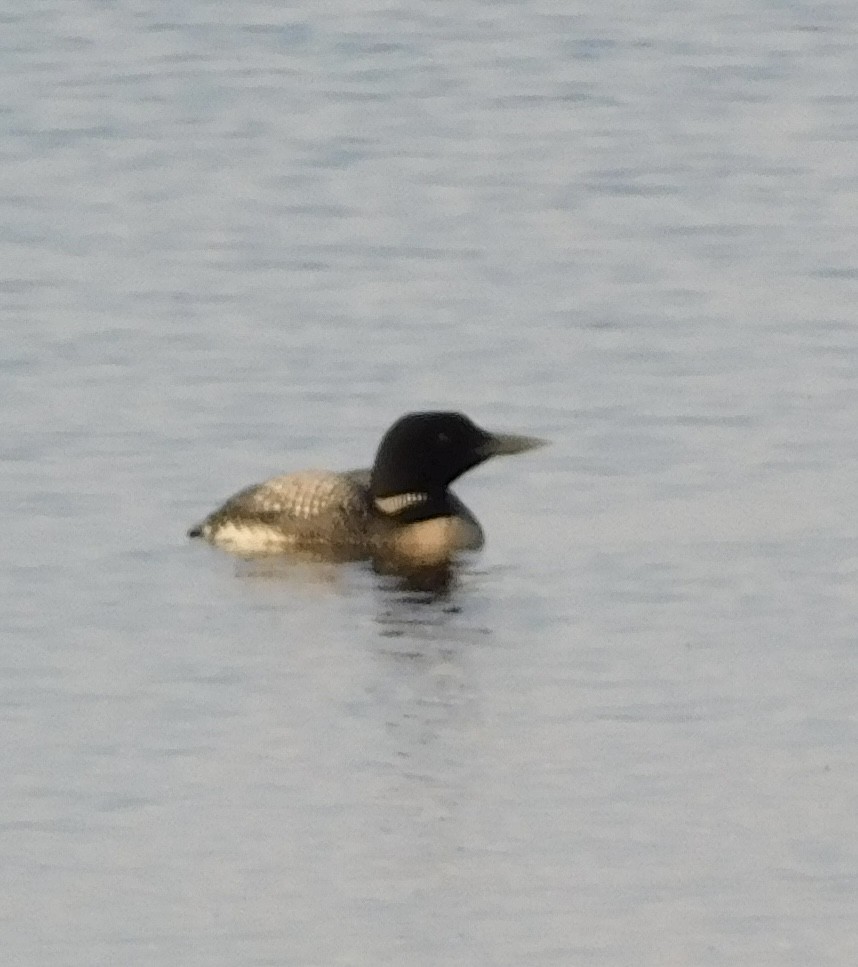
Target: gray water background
241, 238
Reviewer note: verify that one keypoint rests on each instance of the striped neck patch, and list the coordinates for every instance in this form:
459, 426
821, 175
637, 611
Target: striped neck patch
391, 506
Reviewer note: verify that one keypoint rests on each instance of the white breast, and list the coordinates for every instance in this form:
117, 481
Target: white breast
433, 542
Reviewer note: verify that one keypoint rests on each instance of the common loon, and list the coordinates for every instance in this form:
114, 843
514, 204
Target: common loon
400, 511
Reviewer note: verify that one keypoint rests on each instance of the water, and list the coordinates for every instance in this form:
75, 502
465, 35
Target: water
241, 239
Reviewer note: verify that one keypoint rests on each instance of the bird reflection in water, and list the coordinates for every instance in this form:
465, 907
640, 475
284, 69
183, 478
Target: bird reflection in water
425, 696
419, 687
428, 585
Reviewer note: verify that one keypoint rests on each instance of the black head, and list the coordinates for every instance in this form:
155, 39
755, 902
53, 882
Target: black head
426, 452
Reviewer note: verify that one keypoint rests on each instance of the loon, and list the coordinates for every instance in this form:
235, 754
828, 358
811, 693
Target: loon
399, 511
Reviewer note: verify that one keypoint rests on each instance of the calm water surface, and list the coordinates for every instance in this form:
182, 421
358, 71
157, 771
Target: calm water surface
239, 239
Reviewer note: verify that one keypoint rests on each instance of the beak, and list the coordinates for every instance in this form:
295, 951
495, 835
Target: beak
504, 444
